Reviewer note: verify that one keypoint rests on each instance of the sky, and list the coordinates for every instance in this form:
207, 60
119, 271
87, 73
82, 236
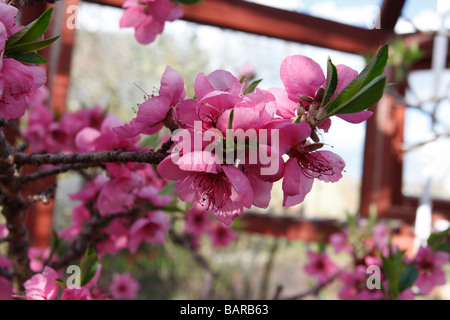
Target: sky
345, 139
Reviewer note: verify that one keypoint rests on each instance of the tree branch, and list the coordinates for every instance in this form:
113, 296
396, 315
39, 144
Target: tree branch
90, 158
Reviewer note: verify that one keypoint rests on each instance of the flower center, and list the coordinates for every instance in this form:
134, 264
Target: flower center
313, 164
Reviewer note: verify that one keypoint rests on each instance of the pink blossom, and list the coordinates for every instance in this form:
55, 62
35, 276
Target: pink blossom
320, 266
221, 235
306, 162
3, 231
381, 236
17, 82
354, 285
148, 17
151, 228
303, 77
339, 242
117, 239
222, 189
154, 110
104, 139
42, 286
37, 258
6, 289
123, 287
80, 214
76, 293
429, 264
197, 221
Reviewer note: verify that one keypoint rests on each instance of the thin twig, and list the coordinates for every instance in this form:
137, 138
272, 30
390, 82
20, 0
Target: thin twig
53, 171
312, 291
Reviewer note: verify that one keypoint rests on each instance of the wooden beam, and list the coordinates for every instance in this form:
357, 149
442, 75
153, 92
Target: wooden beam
391, 10
287, 25
288, 227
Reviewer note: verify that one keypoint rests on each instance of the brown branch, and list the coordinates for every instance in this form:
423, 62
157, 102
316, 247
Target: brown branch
90, 158
53, 171
42, 196
13, 209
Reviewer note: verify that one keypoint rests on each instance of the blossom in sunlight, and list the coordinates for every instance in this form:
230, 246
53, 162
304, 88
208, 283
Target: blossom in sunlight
123, 286
42, 286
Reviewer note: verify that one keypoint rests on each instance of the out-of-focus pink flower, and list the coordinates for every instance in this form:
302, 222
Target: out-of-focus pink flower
221, 235
123, 287
429, 264
6, 289
197, 221
148, 17
37, 258
320, 266
151, 228
42, 286
339, 242
3, 231
76, 293
381, 236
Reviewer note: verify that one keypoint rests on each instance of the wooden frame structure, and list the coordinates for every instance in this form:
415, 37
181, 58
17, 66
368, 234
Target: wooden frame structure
382, 174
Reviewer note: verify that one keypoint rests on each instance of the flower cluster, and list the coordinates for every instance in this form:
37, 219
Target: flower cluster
18, 80
232, 138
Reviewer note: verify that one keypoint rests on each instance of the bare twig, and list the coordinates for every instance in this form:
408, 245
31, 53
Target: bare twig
312, 291
53, 171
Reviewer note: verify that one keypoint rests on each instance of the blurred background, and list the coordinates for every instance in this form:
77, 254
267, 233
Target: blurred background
395, 162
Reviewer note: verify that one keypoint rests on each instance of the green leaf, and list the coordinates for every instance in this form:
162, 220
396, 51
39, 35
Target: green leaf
365, 98
32, 31
88, 266
332, 81
252, 86
230, 120
61, 283
391, 276
27, 57
55, 243
30, 46
440, 241
372, 71
407, 277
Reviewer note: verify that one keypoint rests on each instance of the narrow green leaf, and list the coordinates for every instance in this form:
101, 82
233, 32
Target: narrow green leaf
230, 120
407, 277
252, 86
332, 81
365, 98
30, 46
61, 283
373, 70
391, 276
27, 57
88, 266
32, 31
